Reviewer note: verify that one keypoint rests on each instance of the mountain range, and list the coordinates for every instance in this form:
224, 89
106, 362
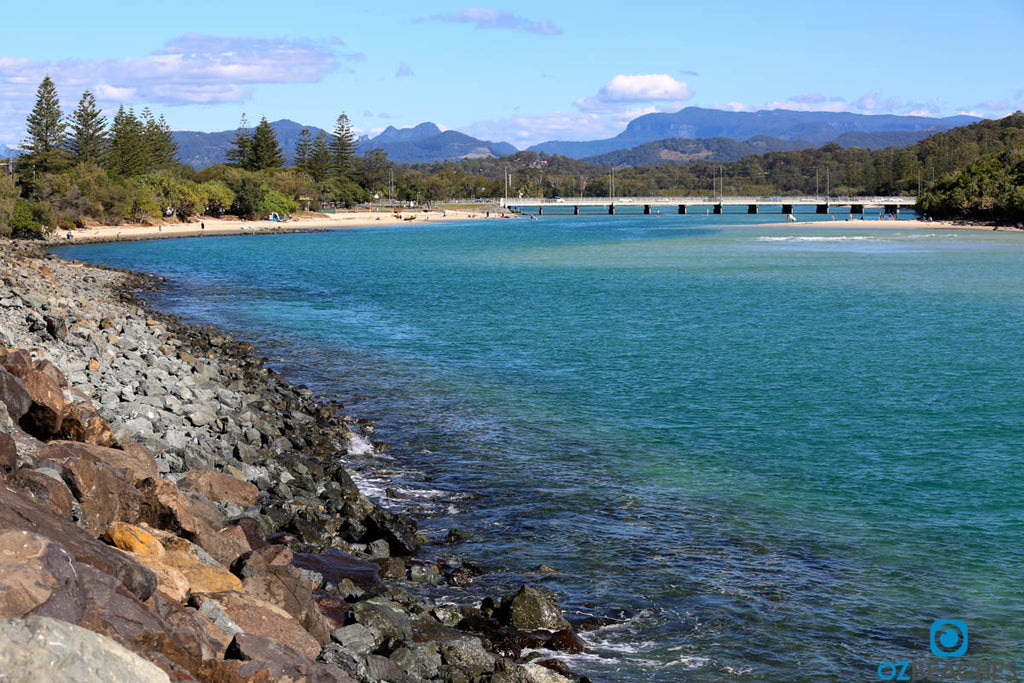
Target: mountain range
689, 134
424, 143
811, 128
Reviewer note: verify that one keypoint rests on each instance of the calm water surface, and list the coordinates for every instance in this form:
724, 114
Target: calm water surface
773, 452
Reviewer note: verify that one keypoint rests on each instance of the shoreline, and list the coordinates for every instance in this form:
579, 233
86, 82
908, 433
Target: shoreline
305, 222
264, 471
916, 223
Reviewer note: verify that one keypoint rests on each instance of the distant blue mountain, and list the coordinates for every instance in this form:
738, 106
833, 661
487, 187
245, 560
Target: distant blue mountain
424, 143
6, 151
693, 123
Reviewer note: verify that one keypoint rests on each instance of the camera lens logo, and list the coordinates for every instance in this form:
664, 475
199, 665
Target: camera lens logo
949, 638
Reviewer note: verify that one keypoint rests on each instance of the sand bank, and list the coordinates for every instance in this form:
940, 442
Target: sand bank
915, 223
299, 223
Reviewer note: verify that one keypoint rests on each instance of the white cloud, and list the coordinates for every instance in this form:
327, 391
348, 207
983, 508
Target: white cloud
191, 69
637, 88
485, 18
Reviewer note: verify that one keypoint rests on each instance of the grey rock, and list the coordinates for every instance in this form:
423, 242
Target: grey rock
355, 638
424, 574
420, 661
36, 647
384, 620
534, 607
212, 610
469, 655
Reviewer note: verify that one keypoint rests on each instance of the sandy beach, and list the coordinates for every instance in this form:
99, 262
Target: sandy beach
298, 223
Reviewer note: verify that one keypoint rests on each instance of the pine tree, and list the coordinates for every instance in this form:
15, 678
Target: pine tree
46, 131
127, 156
303, 147
240, 144
264, 152
319, 163
343, 149
161, 149
88, 140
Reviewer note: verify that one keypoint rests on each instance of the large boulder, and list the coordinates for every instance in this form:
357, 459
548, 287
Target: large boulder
335, 566
135, 460
38, 576
114, 612
102, 492
47, 488
283, 662
533, 607
219, 487
40, 648
47, 410
13, 395
19, 512
165, 506
398, 530
8, 455
260, 617
82, 422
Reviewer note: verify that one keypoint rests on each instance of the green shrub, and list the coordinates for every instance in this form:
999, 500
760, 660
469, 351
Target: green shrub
23, 223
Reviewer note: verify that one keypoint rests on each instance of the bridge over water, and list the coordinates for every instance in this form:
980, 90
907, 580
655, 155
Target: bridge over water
711, 204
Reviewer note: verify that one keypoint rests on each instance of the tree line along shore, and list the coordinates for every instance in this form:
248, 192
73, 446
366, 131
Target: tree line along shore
173, 510
84, 169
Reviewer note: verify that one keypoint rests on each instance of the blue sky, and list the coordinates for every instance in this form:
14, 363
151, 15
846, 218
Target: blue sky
522, 72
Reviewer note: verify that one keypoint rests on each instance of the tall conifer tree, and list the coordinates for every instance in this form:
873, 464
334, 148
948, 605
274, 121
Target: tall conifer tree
88, 139
127, 155
47, 130
343, 149
303, 148
264, 152
319, 164
238, 154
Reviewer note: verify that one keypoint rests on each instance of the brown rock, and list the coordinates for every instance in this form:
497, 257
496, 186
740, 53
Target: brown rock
134, 539
47, 410
219, 487
260, 617
38, 577
167, 507
169, 581
102, 492
137, 461
285, 662
82, 422
49, 492
334, 610
50, 370
19, 512
94, 365
114, 612
267, 575
13, 395
8, 454
18, 362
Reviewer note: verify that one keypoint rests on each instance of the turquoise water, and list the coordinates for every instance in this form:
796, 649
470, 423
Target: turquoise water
771, 452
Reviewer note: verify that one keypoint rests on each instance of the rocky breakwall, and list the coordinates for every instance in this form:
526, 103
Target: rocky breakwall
171, 510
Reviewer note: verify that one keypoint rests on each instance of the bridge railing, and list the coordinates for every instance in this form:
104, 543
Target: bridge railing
710, 200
